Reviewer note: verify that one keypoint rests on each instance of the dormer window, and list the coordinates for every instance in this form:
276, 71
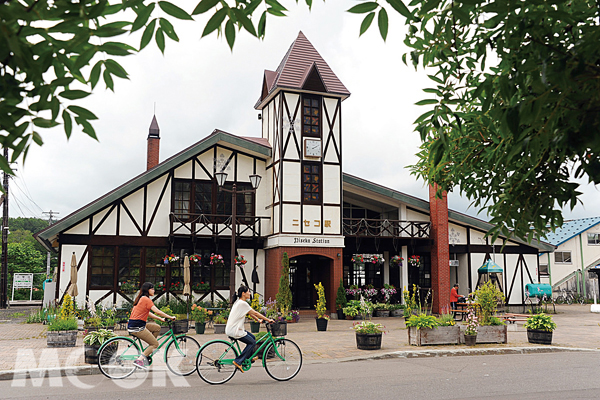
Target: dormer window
311, 116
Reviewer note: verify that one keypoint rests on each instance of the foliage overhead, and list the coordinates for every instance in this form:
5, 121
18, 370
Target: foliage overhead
512, 114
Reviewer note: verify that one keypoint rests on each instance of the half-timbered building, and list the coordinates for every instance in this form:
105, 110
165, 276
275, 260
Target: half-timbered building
305, 206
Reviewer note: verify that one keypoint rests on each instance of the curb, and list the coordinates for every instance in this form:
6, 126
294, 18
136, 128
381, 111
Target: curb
37, 373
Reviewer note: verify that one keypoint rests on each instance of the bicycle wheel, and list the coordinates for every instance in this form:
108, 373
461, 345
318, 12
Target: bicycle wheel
209, 362
182, 360
285, 363
569, 299
117, 356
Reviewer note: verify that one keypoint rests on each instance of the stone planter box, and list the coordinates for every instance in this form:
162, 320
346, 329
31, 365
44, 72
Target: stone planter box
219, 328
435, 336
488, 334
382, 313
397, 313
61, 338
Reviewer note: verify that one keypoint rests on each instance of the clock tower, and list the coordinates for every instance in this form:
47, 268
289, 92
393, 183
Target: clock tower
301, 114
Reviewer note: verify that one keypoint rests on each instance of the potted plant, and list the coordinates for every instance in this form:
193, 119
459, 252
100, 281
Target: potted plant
92, 342
240, 261
397, 261
381, 310
425, 329
414, 261
200, 287
387, 291
196, 259
130, 286
171, 259
540, 328
353, 291
256, 306
368, 335
471, 327
491, 329
350, 312
199, 315
62, 330
220, 322
341, 301
321, 308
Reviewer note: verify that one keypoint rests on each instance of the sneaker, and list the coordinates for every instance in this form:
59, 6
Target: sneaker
143, 363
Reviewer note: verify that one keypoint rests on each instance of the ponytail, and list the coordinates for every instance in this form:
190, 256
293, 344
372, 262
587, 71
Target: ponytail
241, 289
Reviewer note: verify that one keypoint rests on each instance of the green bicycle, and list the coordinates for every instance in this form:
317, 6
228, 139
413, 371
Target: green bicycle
281, 358
116, 355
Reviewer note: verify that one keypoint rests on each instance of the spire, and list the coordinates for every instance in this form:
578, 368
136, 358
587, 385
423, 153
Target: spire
154, 130
153, 144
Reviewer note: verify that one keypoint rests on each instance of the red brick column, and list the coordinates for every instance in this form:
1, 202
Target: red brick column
440, 257
153, 150
273, 269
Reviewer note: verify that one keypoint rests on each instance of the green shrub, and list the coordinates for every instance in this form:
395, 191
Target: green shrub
488, 296
446, 320
35, 317
494, 321
341, 300
422, 321
62, 324
98, 337
540, 322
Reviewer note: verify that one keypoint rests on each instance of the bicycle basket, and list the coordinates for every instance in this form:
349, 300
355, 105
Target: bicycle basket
181, 326
279, 329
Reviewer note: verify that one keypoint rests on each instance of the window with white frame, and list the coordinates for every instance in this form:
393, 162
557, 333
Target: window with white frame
593, 239
544, 270
563, 257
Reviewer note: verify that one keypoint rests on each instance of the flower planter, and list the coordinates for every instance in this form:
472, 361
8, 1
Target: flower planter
470, 340
435, 336
340, 314
349, 317
90, 353
254, 327
489, 334
382, 313
321, 324
368, 341
539, 337
200, 326
61, 339
219, 328
397, 313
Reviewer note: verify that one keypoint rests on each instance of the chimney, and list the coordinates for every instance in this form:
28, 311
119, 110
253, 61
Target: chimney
440, 257
153, 144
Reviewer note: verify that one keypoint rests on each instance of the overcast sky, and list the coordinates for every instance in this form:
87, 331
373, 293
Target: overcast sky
200, 85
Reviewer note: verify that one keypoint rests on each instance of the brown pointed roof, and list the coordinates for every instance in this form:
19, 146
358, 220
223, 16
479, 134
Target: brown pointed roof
154, 130
301, 61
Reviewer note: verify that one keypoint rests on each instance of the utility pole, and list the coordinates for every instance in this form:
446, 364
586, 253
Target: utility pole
50, 214
4, 269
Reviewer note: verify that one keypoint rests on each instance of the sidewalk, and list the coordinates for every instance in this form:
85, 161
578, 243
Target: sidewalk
22, 345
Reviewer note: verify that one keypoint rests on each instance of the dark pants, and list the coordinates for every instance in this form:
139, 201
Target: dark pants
250, 341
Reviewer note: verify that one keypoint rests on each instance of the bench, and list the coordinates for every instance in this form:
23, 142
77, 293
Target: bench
512, 318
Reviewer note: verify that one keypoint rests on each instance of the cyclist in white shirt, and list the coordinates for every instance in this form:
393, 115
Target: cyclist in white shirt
235, 324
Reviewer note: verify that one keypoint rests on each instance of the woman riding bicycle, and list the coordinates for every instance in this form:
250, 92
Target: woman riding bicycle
235, 324
143, 307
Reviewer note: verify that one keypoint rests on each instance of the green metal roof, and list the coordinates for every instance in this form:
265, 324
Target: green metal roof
45, 237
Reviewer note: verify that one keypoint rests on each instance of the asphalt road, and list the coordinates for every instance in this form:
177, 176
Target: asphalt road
570, 375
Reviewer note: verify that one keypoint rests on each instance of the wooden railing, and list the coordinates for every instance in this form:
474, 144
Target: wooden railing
386, 228
213, 225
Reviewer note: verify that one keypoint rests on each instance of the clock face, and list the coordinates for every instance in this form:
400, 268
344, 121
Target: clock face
312, 148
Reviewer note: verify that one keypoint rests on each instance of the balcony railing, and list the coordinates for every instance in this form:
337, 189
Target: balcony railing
214, 225
386, 228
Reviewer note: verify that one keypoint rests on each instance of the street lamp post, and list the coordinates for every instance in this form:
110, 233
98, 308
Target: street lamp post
221, 177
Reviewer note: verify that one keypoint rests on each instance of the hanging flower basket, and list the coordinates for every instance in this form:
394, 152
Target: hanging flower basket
375, 259
397, 261
171, 259
196, 259
414, 261
201, 287
240, 261
216, 260
358, 259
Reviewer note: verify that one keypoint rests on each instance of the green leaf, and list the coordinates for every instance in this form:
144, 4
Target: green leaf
108, 80
142, 17
363, 8
426, 102
87, 127
276, 5
116, 69
44, 123
382, 21
160, 40
429, 5
148, 32
68, 123
95, 74
116, 48
73, 94
230, 34
366, 23
204, 6
399, 6
275, 12
37, 138
174, 10
215, 21
262, 25
246, 23
168, 29
82, 112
